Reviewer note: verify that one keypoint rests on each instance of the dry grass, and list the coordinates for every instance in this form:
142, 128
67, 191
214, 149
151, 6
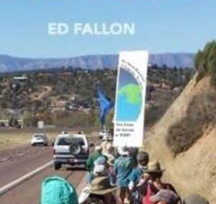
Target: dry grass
201, 113
9, 140
189, 127
13, 138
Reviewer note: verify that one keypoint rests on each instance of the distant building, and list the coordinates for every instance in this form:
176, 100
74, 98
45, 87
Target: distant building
5, 123
20, 78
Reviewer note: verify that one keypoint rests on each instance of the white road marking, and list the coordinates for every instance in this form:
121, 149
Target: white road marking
82, 185
20, 180
21, 154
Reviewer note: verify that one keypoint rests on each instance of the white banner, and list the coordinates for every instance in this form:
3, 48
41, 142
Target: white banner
130, 99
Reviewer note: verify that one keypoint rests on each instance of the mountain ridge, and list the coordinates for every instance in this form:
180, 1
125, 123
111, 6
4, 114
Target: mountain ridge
12, 63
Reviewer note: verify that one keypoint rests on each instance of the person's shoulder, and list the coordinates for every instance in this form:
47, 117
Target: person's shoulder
136, 171
133, 173
118, 159
170, 187
92, 154
140, 170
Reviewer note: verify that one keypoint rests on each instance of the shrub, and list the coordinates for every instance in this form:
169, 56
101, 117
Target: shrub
205, 61
201, 112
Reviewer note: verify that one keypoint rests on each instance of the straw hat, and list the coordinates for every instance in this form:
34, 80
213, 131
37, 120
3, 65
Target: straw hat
101, 186
153, 167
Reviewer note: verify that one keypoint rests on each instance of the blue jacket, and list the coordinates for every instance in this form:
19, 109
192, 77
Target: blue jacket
123, 167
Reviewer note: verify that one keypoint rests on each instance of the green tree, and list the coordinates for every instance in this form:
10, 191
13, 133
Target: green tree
205, 61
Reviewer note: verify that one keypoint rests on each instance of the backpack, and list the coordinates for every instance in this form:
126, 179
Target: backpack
149, 193
57, 190
141, 195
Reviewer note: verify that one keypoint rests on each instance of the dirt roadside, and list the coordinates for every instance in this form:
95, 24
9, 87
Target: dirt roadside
13, 138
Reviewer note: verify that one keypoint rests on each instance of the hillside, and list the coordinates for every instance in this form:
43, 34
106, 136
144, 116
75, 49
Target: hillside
40, 95
93, 62
184, 140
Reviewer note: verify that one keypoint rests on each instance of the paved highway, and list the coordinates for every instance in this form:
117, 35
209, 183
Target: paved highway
17, 162
29, 192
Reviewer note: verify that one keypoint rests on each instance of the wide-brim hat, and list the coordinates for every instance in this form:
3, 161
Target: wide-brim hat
153, 167
101, 186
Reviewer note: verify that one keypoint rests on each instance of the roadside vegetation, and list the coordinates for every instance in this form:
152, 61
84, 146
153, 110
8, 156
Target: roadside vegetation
201, 112
67, 97
205, 61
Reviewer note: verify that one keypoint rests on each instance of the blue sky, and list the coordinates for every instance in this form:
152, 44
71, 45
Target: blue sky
161, 26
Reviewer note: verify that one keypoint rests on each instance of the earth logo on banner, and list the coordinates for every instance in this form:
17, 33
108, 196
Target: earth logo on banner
129, 97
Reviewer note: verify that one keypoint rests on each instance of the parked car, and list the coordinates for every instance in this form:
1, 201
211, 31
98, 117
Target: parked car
39, 139
70, 149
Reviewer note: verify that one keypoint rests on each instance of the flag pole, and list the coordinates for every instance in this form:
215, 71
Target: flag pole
105, 106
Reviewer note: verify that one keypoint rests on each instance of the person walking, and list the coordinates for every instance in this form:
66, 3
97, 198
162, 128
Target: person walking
105, 145
57, 190
151, 182
122, 168
91, 162
136, 175
100, 191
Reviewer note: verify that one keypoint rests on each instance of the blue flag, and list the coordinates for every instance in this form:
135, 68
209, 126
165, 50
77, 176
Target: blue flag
105, 106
